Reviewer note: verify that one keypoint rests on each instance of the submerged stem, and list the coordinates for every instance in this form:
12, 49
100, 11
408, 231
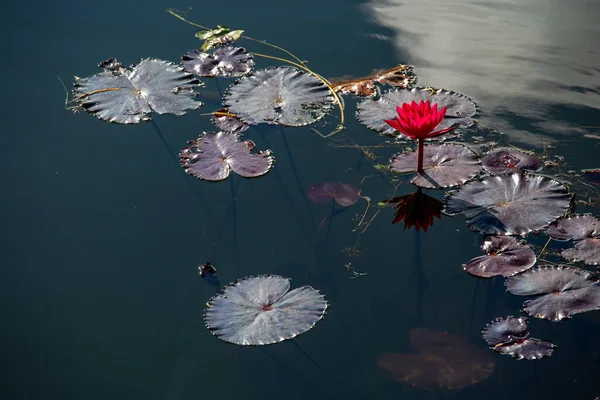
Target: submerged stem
420, 156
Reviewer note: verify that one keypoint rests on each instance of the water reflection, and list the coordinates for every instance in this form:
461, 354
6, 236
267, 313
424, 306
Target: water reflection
530, 65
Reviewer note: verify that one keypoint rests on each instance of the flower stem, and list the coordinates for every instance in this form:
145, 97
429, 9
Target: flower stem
420, 156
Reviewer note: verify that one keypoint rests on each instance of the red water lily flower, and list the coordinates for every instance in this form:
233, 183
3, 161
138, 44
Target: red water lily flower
418, 121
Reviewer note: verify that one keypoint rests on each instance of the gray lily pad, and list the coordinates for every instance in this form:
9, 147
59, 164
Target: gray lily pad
567, 291
373, 113
225, 62
126, 96
213, 155
510, 204
228, 123
505, 330
283, 95
443, 165
507, 161
584, 230
505, 256
260, 310
528, 349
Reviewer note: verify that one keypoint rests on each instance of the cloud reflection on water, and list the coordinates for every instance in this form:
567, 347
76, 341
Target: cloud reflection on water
536, 60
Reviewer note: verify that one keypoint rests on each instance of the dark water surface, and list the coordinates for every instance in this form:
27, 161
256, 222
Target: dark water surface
102, 231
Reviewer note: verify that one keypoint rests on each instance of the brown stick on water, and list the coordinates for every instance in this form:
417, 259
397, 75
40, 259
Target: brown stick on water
420, 155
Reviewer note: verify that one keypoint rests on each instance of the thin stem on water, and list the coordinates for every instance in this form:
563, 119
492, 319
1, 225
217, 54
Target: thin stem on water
420, 155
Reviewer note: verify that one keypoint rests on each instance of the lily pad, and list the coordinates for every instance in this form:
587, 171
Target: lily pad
225, 62
126, 96
399, 76
373, 113
505, 256
566, 291
213, 155
344, 194
260, 310
508, 160
528, 349
443, 165
283, 95
505, 330
584, 230
228, 123
510, 204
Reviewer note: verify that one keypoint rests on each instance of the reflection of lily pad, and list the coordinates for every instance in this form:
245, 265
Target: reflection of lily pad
261, 310
510, 204
344, 194
566, 291
443, 165
213, 155
373, 113
281, 95
505, 256
438, 360
126, 96
225, 62
508, 160
228, 123
584, 230
509, 335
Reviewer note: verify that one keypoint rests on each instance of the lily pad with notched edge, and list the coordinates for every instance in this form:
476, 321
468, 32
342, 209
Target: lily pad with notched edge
508, 160
584, 230
126, 96
260, 310
283, 95
373, 113
510, 204
344, 194
566, 291
228, 123
225, 62
443, 165
213, 155
505, 256
509, 335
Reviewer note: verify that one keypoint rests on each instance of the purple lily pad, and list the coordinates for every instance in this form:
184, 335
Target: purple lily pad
528, 349
505, 330
344, 194
282, 95
373, 113
508, 160
505, 256
444, 165
584, 230
225, 62
260, 310
228, 123
566, 291
513, 204
213, 155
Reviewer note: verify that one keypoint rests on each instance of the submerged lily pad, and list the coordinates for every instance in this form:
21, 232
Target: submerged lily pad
260, 310
584, 230
505, 330
510, 204
443, 165
225, 62
566, 291
126, 96
344, 194
373, 113
505, 256
213, 155
228, 123
508, 160
281, 95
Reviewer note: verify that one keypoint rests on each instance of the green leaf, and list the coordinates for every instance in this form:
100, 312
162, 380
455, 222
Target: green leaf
206, 34
219, 40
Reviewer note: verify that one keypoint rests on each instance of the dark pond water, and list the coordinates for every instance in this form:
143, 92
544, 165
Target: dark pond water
102, 231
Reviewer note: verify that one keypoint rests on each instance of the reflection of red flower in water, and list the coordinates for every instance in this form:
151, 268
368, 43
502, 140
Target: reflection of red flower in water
416, 209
